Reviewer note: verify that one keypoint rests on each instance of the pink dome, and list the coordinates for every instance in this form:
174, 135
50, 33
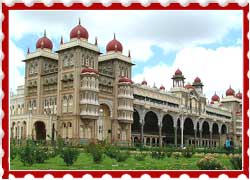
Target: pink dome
162, 87
125, 80
178, 72
89, 70
44, 42
230, 92
114, 45
215, 97
197, 80
79, 32
239, 95
144, 82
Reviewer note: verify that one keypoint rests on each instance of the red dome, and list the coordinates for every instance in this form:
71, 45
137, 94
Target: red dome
215, 97
144, 82
125, 80
162, 87
79, 32
197, 80
230, 92
211, 102
178, 72
89, 70
114, 45
44, 42
189, 86
239, 95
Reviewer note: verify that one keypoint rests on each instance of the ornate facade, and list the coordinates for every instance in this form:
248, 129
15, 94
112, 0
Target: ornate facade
79, 94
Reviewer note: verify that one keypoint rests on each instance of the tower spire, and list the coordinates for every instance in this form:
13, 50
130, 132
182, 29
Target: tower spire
61, 40
44, 34
129, 54
96, 43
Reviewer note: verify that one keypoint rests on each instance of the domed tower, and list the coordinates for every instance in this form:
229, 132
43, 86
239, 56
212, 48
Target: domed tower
215, 99
41, 67
234, 103
178, 79
89, 88
197, 84
125, 107
115, 68
78, 86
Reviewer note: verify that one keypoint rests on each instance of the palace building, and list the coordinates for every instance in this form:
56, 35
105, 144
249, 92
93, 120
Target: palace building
80, 94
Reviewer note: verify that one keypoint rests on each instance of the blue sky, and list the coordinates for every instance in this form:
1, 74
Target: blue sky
200, 43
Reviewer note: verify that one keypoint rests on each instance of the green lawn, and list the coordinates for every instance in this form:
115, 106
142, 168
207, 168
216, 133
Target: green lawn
84, 162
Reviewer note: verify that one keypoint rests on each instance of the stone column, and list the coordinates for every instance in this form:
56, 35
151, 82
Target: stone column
211, 137
200, 138
142, 135
175, 136
195, 136
160, 138
150, 141
182, 128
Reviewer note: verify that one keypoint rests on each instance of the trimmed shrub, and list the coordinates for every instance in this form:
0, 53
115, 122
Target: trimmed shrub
122, 156
159, 154
96, 151
236, 161
13, 151
41, 154
27, 153
69, 155
140, 156
111, 151
188, 152
176, 155
169, 154
209, 162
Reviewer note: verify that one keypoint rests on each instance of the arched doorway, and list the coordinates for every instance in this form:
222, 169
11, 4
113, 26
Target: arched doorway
215, 134
104, 130
205, 134
151, 129
168, 130
40, 130
136, 126
188, 132
223, 129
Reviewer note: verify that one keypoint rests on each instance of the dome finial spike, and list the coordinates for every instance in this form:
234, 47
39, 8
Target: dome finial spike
129, 55
114, 36
79, 21
44, 34
96, 43
61, 40
28, 50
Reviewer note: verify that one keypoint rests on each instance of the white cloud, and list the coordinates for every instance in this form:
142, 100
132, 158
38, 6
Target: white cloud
217, 69
15, 56
137, 30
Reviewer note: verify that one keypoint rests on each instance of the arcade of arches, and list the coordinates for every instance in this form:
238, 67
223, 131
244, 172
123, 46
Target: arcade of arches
155, 130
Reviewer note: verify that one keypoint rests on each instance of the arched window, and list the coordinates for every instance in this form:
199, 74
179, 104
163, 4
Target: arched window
70, 103
64, 104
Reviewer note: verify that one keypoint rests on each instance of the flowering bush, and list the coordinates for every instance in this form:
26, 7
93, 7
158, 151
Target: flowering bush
236, 161
209, 162
188, 152
27, 153
69, 155
140, 156
176, 155
158, 154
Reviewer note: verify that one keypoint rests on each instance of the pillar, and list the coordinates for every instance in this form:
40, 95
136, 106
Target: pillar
195, 134
211, 137
200, 138
150, 142
160, 138
175, 136
182, 133
142, 136
219, 139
